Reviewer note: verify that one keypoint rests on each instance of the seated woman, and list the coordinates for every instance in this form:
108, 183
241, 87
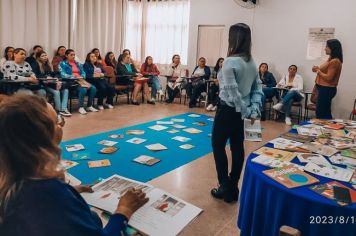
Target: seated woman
110, 60
150, 70
127, 74
71, 69
8, 56
95, 75
33, 192
58, 58
98, 56
293, 83
268, 84
32, 58
19, 70
43, 70
175, 81
200, 74
213, 95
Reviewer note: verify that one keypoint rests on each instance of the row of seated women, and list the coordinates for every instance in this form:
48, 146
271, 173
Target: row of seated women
57, 77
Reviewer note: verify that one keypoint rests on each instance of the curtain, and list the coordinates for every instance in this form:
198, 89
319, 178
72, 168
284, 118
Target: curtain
25, 23
158, 29
96, 24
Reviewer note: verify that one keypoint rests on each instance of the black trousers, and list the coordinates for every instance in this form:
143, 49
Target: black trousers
104, 90
228, 125
323, 103
213, 97
195, 90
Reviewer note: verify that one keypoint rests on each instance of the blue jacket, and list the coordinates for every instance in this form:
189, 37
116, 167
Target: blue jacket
51, 207
65, 70
206, 71
89, 69
269, 80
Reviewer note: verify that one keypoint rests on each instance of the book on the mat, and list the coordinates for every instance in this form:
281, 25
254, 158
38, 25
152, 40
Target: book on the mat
273, 162
74, 147
327, 190
290, 176
136, 140
282, 143
99, 163
200, 123
178, 126
349, 152
146, 160
253, 132
159, 122
116, 136
181, 139
192, 130
297, 137
320, 149
341, 160
186, 146
135, 132
158, 127
163, 214
332, 172
81, 155
107, 143
156, 147
275, 153
336, 141
108, 150
67, 164
177, 120
172, 131
315, 158
194, 115
309, 131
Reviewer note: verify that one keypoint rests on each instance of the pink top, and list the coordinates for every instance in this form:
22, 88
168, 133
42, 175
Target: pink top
75, 69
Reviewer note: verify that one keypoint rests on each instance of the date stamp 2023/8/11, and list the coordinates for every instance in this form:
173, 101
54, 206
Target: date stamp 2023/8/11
332, 220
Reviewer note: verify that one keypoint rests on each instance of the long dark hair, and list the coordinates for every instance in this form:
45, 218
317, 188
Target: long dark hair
336, 49
59, 48
69, 50
122, 56
34, 48
44, 67
146, 63
112, 63
240, 41
6, 51
259, 68
93, 50
217, 66
21, 155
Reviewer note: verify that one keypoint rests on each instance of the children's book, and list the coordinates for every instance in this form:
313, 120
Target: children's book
275, 153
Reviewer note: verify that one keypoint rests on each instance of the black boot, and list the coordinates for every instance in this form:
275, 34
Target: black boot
234, 194
263, 116
220, 191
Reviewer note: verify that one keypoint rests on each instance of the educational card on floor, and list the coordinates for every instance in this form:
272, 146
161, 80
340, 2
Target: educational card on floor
159, 122
107, 143
146, 160
200, 123
156, 147
158, 127
81, 155
74, 147
179, 126
181, 139
99, 163
108, 150
194, 115
116, 136
253, 132
136, 140
192, 130
177, 120
163, 214
186, 146
135, 132
172, 131
67, 164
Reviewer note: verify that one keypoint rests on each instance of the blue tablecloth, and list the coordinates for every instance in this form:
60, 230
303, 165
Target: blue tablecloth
266, 205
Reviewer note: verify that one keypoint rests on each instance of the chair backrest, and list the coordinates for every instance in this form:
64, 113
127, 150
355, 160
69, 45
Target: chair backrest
110, 73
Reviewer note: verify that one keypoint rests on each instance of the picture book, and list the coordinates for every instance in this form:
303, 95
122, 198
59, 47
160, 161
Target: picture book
297, 137
253, 132
341, 160
163, 214
319, 148
146, 160
275, 153
273, 162
332, 172
327, 190
99, 163
290, 176
315, 158
349, 153
74, 147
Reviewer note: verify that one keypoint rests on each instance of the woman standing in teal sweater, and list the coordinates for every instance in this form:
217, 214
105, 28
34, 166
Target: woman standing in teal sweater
240, 97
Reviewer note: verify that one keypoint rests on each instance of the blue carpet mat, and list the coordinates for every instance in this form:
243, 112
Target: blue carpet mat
122, 160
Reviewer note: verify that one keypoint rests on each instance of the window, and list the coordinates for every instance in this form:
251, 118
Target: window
158, 29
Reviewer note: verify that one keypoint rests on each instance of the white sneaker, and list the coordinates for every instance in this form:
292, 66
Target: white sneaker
65, 113
101, 107
109, 106
278, 106
208, 108
92, 109
288, 121
214, 108
82, 111
160, 92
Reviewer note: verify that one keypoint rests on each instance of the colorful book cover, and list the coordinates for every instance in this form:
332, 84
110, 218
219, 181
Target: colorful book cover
327, 190
297, 137
334, 126
278, 154
290, 176
349, 153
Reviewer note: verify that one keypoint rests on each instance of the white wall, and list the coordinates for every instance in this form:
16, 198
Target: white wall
280, 31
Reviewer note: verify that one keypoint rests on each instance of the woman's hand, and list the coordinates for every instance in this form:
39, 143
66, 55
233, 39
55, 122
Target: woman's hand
130, 202
315, 68
33, 79
83, 188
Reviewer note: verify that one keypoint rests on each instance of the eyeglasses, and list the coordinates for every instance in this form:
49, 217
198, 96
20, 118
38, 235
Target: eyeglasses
60, 121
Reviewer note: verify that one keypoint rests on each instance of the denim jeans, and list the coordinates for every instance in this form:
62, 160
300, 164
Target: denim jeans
58, 104
104, 89
268, 93
91, 94
156, 86
39, 92
288, 99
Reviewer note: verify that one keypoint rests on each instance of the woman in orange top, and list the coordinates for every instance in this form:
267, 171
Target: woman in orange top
327, 78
